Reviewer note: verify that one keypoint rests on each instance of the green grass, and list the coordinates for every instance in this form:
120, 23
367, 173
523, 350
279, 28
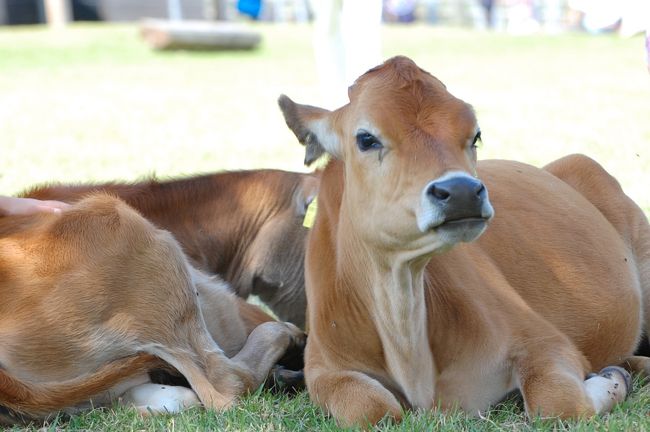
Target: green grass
264, 411
93, 103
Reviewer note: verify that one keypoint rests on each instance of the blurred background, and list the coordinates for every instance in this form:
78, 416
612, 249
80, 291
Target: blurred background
85, 95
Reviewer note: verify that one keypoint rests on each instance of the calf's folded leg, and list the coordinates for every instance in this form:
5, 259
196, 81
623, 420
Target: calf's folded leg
554, 386
352, 397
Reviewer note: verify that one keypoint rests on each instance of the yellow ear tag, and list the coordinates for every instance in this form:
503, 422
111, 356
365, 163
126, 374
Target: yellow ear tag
310, 214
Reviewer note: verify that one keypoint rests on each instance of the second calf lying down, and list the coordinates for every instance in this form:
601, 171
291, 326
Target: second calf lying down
96, 298
245, 226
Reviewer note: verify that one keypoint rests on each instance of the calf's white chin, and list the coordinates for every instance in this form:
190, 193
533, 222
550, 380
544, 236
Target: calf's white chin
464, 230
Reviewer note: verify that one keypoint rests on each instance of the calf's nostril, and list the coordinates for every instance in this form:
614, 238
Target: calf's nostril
439, 193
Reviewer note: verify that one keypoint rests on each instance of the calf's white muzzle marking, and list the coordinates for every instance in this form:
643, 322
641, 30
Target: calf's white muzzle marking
455, 206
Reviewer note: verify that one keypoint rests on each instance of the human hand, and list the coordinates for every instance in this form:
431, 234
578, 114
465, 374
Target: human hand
10, 206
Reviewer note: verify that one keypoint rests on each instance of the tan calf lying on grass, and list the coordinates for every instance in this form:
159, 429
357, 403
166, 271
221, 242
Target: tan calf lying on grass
96, 298
245, 226
404, 314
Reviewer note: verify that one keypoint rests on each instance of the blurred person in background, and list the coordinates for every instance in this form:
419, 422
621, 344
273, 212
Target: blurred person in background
347, 42
628, 17
399, 10
488, 10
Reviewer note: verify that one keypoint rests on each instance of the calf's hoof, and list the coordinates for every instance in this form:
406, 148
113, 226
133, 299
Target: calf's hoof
609, 387
282, 380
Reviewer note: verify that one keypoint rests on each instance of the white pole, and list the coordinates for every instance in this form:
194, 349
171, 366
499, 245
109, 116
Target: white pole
57, 12
174, 10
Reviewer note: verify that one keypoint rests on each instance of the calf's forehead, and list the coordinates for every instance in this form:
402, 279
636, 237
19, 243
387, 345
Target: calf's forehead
399, 105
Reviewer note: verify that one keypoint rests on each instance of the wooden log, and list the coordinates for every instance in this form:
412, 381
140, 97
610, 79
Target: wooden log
198, 35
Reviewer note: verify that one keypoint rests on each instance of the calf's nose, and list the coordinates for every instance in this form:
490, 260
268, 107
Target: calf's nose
459, 197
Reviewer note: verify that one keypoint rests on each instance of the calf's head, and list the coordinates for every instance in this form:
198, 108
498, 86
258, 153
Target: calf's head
409, 153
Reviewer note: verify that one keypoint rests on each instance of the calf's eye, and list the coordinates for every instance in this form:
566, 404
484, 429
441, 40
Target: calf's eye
477, 140
366, 141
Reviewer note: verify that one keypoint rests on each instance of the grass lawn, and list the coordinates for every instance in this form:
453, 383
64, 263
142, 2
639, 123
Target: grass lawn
266, 412
93, 103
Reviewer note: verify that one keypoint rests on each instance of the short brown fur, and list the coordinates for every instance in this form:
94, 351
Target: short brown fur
406, 317
244, 226
96, 297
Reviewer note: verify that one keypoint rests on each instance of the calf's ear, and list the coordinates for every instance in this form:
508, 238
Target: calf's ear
306, 193
311, 125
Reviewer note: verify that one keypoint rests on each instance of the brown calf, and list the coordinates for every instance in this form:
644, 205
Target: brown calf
245, 226
405, 313
96, 298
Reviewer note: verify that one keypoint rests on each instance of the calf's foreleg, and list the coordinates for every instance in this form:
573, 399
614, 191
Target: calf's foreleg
554, 385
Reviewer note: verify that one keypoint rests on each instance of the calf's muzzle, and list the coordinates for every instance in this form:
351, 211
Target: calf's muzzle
458, 198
